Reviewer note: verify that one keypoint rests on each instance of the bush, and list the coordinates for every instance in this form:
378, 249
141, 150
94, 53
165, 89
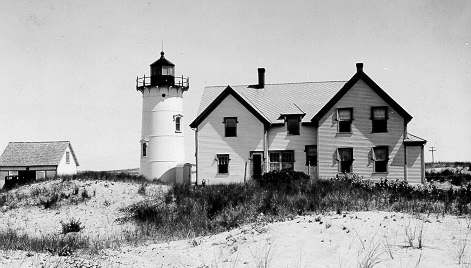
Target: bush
85, 194
49, 201
142, 189
455, 177
107, 176
215, 208
73, 226
284, 180
55, 244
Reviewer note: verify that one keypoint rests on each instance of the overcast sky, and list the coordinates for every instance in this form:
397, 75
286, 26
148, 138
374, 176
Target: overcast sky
68, 68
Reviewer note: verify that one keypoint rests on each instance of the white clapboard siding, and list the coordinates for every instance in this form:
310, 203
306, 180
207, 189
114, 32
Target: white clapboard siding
361, 98
212, 141
414, 164
279, 139
64, 168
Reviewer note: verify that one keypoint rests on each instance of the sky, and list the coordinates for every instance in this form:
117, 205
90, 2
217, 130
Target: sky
68, 68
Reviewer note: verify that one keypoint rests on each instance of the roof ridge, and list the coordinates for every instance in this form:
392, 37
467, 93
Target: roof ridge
286, 83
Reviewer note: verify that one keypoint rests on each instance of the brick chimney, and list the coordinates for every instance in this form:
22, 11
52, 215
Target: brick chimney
261, 78
359, 67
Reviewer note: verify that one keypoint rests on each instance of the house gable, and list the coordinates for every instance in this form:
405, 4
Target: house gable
212, 141
70, 168
360, 98
226, 92
360, 75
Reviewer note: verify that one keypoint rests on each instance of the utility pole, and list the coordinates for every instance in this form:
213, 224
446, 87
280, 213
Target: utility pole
432, 149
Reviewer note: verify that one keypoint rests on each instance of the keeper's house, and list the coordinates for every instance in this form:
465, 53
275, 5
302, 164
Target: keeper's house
27, 161
321, 128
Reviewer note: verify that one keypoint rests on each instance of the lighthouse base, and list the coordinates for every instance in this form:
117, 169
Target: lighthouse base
166, 172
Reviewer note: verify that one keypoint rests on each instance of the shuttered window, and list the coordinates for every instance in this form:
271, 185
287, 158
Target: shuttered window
379, 119
345, 159
380, 158
230, 126
344, 118
223, 163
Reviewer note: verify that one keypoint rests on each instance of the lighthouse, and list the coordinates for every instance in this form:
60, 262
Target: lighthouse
162, 136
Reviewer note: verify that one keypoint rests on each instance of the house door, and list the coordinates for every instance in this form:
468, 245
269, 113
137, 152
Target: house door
257, 165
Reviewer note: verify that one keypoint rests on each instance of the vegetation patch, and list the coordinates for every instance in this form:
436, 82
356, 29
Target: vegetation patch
282, 194
55, 244
456, 177
72, 226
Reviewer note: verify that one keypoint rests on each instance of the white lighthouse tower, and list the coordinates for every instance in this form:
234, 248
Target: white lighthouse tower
162, 138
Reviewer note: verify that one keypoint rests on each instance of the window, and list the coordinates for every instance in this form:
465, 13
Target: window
292, 125
144, 149
345, 159
380, 158
281, 160
230, 129
167, 70
311, 155
379, 119
344, 118
178, 124
223, 163
67, 157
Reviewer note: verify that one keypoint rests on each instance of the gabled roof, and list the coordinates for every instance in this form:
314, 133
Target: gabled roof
360, 75
226, 92
414, 140
275, 99
20, 154
312, 98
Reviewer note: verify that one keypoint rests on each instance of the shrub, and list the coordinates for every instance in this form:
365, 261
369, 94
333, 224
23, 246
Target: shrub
49, 201
455, 177
55, 244
284, 180
142, 189
85, 194
72, 226
214, 208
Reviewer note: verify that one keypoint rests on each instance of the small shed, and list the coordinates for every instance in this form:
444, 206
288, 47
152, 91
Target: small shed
28, 161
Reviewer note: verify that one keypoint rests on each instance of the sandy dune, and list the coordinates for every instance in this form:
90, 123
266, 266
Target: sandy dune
352, 239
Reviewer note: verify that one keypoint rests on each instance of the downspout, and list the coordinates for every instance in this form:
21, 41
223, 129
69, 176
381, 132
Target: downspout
265, 148
196, 154
422, 164
405, 150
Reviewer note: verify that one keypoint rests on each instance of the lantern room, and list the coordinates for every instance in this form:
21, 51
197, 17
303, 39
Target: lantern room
162, 72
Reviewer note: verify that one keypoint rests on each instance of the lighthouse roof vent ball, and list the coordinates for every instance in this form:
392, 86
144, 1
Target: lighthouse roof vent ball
162, 135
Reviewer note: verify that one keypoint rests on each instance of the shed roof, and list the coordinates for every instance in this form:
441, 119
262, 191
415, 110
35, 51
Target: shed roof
49, 153
414, 140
